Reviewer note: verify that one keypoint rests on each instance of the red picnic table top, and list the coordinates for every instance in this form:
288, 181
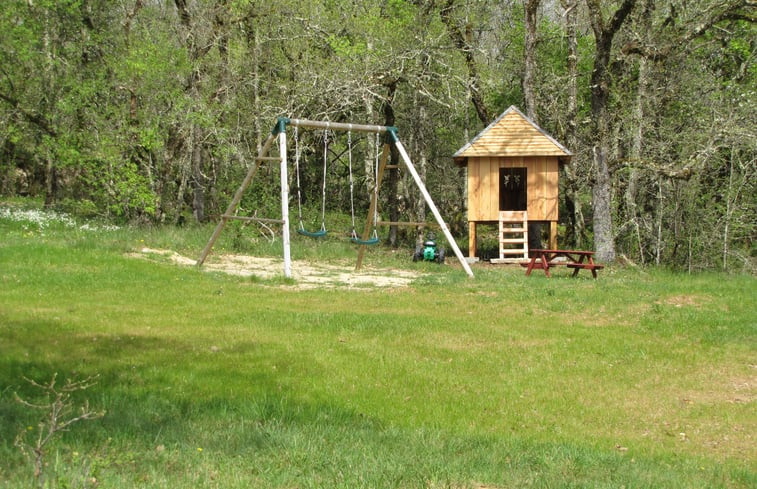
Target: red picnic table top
575, 259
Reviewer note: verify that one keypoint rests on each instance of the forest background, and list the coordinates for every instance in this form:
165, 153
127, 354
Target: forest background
150, 111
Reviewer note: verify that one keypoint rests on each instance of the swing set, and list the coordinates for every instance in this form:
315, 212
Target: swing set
370, 234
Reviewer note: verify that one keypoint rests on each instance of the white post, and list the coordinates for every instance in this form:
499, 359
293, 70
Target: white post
285, 203
433, 208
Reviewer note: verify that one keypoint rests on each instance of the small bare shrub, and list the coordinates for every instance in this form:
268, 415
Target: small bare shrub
60, 413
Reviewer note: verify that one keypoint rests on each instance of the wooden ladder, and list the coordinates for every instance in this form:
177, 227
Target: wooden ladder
513, 236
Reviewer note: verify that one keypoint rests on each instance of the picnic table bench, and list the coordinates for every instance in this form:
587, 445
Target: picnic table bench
575, 259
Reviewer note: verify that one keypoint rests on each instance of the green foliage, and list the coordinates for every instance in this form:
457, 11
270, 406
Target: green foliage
131, 112
344, 47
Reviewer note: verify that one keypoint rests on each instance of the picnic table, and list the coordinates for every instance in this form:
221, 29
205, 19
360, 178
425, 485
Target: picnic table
575, 259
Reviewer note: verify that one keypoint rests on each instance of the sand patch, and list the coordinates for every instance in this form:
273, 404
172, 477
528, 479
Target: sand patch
305, 274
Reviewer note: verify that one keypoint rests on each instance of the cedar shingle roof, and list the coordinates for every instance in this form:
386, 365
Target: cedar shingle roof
511, 134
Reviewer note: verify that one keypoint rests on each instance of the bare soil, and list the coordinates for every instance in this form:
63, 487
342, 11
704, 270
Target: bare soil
305, 274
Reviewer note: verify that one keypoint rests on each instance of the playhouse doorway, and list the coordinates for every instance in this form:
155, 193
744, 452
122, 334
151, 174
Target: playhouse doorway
513, 189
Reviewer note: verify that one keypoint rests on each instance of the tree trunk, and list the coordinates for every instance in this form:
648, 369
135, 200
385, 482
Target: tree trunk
637, 147
196, 138
369, 162
51, 171
572, 184
51, 181
601, 193
462, 43
419, 203
660, 213
632, 213
604, 239
198, 177
393, 180
529, 88
728, 212
256, 60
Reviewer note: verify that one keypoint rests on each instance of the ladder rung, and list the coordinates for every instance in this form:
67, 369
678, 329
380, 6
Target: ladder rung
514, 230
513, 241
513, 251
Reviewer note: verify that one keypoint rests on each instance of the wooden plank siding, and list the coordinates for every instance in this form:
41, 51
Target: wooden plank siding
483, 186
474, 190
492, 205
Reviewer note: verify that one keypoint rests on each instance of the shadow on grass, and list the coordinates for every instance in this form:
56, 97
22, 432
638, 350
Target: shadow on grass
191, 422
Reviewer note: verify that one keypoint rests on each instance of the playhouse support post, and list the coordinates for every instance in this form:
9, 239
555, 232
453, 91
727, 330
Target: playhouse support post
472, 239
432, 207
553, 235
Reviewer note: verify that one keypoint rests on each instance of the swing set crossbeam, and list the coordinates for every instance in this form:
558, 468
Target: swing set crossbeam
338, 126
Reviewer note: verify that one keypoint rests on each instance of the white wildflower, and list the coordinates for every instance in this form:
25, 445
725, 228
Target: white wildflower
43, 219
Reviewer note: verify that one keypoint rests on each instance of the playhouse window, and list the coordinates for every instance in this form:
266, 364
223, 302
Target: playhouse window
512, 189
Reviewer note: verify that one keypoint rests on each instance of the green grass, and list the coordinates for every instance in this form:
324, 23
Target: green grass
642, 378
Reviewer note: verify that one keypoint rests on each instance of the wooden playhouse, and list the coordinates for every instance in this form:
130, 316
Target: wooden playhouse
512, 181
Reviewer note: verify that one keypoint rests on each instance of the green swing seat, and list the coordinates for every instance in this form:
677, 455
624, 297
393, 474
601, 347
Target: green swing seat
374, 239
371, 241
312, 234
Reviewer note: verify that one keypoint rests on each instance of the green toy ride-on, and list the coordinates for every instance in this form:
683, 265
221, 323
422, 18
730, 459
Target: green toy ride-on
428, 251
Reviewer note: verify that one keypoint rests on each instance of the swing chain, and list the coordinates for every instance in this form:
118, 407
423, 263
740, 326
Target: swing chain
352, 183
297, 153
323, 184
374, 235
376, 188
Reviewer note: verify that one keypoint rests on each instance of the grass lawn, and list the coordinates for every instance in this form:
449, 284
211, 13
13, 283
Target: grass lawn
642, 378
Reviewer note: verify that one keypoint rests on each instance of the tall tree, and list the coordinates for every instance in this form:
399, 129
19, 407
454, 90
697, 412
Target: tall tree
461, 36
604, 34
195, 143
572, 181
531, 8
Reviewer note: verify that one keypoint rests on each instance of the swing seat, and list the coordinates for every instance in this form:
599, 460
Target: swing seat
317, 234
371, 241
